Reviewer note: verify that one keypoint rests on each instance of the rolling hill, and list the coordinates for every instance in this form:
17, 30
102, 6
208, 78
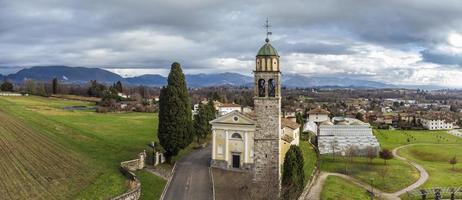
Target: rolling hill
83, 75
64, 73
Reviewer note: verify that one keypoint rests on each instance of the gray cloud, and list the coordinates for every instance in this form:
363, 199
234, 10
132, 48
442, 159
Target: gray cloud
372, 39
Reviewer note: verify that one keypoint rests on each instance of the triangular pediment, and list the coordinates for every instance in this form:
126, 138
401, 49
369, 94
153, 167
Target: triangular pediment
234, 117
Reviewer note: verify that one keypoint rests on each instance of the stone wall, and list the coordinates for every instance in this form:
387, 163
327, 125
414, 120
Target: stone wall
135, 164
132, 194
126, 169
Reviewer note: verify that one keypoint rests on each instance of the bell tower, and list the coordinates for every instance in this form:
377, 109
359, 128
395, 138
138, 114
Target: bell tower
267, 101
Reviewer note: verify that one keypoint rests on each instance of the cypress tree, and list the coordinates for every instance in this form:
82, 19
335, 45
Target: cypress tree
293, 176
201, 123
55, 86
175, 115
118, 86
205, 114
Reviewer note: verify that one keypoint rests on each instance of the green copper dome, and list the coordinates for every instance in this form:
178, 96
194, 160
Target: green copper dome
267, 50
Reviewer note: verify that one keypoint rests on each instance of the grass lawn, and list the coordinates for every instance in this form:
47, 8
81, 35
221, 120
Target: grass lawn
388, 178
150, 185
97, 143
309, 158
393, 138
435, 159
338, 188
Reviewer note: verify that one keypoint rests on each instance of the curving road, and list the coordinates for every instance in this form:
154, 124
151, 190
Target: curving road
314, 192
191, 179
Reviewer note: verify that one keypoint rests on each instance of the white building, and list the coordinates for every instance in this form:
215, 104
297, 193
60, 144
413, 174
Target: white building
318, 115
10, 94
340, 135
227, 108
233, 140
436, 123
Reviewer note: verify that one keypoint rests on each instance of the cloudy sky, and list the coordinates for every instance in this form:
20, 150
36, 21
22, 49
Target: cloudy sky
392, 41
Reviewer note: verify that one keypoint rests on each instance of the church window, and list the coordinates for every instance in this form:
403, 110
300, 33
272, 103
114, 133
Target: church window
236, 136
271, 88
236, 118
261, 88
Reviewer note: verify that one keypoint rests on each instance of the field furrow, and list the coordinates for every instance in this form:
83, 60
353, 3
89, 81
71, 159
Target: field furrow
33, 166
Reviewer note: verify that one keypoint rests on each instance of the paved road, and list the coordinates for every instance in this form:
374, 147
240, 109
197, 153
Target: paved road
314, 192
191, 179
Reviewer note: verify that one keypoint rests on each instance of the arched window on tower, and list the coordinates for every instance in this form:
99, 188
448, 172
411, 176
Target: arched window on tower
271, 88
261, 88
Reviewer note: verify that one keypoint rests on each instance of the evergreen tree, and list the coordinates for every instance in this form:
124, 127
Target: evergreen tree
206, 113
211, 111
201, 125
293, 176
6, 86
55, 86
118, 86
175, 115
300, 120
96, 89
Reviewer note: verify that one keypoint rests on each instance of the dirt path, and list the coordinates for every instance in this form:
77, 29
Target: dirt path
314, 192
423, 173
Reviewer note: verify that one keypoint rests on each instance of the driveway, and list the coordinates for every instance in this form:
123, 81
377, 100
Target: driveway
191, 179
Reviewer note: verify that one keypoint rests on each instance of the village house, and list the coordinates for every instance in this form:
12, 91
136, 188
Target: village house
318, 115
437, 121
227, 108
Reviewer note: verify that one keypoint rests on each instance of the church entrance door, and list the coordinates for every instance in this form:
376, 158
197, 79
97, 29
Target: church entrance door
236, 161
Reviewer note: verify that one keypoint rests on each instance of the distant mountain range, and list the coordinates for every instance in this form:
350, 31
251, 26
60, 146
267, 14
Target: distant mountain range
82, 75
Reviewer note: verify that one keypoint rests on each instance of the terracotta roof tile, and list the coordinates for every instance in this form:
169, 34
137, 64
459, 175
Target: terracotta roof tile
318, 111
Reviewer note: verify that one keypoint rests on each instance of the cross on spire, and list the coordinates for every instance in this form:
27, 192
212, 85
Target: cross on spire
268, 33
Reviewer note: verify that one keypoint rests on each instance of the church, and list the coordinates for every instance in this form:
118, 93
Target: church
257, 141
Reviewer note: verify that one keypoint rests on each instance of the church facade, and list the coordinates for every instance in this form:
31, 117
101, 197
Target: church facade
257, 141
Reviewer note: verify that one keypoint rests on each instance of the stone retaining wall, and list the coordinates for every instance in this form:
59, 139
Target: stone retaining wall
134, 193
126, 169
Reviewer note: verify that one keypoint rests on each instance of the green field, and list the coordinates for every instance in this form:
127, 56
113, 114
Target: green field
394, 138
309, 158
388, 178
72, 154
338, 188
399, 174
435, 159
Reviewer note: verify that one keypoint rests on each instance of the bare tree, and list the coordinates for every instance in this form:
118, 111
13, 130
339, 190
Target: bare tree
350, 152
371, 153
333, 144
383, 172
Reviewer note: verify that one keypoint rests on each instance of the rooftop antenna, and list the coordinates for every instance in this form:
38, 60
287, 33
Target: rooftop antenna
267, 26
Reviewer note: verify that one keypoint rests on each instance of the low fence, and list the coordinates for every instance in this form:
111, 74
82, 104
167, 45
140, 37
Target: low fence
436, 193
